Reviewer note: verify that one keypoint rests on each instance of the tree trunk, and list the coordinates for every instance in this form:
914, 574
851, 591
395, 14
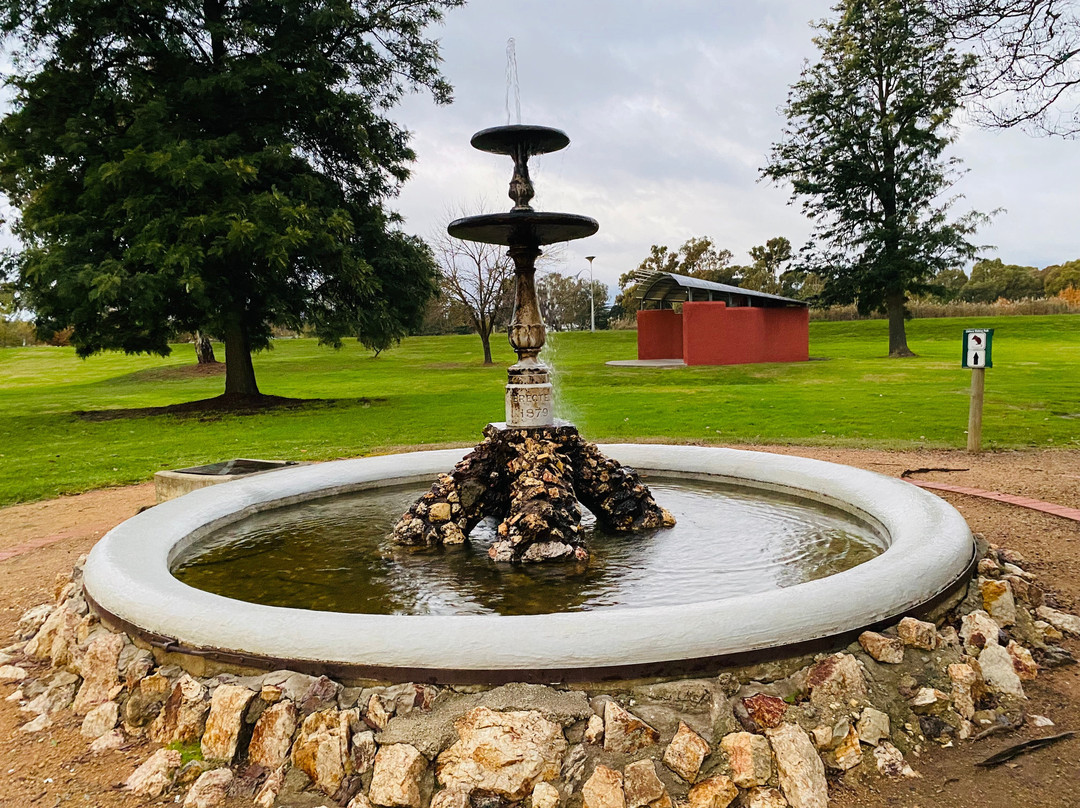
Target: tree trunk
204, 349
897, 334
485, 340
239, 372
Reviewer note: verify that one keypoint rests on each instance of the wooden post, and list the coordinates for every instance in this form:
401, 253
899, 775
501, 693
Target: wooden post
978, 377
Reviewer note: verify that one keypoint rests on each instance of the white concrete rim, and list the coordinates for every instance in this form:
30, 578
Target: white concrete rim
929, 547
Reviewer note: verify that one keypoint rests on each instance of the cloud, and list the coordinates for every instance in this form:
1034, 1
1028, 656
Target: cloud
671, 108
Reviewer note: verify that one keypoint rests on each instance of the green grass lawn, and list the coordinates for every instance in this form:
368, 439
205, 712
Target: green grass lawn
433, 390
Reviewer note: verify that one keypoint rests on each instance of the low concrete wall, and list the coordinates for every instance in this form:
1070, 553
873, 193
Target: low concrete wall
929, 547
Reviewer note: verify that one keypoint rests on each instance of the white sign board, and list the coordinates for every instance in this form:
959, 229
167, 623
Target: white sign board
977, 347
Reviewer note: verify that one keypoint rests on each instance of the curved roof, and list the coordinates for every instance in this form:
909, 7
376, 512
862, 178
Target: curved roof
667, 287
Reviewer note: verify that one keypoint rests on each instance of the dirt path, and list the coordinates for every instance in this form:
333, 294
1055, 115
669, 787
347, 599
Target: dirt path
53, 768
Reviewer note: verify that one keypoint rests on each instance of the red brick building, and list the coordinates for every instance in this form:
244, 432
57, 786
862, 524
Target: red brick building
706, 323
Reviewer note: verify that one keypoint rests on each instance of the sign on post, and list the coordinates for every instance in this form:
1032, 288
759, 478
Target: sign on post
978, 343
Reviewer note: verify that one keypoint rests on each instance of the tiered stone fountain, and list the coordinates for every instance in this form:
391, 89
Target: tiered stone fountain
530, 470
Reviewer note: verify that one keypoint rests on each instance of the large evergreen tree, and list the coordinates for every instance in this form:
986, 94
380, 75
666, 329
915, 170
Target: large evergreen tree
863, 150
215, 165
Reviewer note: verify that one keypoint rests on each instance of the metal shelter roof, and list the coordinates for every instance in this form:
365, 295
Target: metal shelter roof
665, 288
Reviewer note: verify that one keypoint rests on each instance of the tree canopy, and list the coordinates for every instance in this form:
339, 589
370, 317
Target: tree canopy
220, 165
863, 151
698, 257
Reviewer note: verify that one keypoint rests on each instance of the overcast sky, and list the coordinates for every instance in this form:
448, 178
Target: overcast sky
671, 108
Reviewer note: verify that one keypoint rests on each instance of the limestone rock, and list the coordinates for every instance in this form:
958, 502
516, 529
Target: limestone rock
395, 781
801, 772
964, 679
594, 730
224, 722
58, 693
641, 785
502, 753
100, 672
37, 724
997, 597
1025, 591
917, 633
272, 736
891, 763
321, 748
136, 663
604, 789
1062, 621
873, 726
763, 711
9, 674
686, 752
750, 758
977, 630
712, 792
268, 792
271, 694
846, 754
545, 795
361, 801
100, 720
32, 620
113, 739
998, 672
837, 679
764, 798
153, 778
145, 699
210, 789
362, 751
882, 648
1023, 663
320, 695
928, 701
55, 640
457, 798
625, 732
184, 715
378, 713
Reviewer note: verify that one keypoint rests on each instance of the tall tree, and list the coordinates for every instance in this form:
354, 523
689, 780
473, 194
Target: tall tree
863, 150
698, 257
479, 277
564, 301
220, 165
992, 279
769, 261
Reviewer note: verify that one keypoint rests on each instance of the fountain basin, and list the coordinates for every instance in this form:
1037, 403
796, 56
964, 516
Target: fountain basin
129, 583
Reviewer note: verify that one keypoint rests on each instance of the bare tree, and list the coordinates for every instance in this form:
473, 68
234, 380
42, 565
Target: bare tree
1028, 60
478, 276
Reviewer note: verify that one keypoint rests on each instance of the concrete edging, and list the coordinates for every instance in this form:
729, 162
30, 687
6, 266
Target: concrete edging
929, 547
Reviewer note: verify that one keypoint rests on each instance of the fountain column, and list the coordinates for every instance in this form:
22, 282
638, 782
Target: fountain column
528, 383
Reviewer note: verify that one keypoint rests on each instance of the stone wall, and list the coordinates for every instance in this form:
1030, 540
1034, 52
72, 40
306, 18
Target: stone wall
765, 736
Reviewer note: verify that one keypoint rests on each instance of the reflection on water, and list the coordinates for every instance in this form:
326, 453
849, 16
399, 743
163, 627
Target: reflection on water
334, 555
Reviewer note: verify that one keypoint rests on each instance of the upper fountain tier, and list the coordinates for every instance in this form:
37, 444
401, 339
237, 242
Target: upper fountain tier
522, 226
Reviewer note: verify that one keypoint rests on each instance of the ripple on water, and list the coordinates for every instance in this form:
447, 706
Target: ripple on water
334, 555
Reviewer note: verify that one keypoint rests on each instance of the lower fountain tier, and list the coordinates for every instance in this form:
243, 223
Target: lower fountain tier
533, 479
529, 228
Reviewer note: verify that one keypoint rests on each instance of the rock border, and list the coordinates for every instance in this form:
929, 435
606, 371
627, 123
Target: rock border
929, 547
766, 735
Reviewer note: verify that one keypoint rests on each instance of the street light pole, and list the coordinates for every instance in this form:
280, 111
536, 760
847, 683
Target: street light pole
592, 292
